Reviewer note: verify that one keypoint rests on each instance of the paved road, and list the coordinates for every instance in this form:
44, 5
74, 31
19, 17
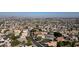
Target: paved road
37, 43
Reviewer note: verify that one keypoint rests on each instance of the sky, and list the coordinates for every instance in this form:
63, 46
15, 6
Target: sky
41, 14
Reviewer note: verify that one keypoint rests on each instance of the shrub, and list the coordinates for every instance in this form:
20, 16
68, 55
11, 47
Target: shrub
15, 43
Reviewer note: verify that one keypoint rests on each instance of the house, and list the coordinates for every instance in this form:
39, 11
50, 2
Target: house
7, 42
74, 38
2, 41
52, 43
2, 31
60, 39
25, 33
48, 36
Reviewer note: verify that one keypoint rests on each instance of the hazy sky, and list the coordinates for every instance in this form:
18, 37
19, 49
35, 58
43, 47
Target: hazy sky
41, 14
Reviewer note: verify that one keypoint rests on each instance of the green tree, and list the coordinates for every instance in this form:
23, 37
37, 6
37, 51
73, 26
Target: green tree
29, 41
73, 43
33, 30
64, 44
40, 29
57, 34
38, 38
15, 43
59, 44
13, 37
